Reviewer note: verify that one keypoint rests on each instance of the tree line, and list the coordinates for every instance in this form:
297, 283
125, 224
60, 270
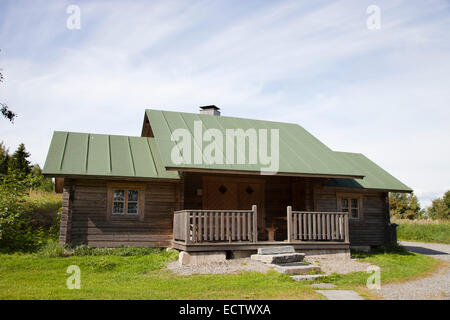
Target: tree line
407, 206
18, 165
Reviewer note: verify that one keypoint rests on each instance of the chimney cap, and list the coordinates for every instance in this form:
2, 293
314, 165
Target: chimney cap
210, 107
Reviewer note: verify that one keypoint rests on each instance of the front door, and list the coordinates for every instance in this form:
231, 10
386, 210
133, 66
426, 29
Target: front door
224, 193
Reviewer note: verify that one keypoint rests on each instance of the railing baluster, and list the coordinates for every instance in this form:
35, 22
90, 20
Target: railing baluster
244, 226
228, 226
305, 226
300, 227
233, 227
238, 222
255, 223
222, 227
194, 227
295, 225
333, 228
319, 226
216, 227
309, 226
249, 226
314, 225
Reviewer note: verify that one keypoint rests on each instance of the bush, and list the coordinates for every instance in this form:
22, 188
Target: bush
17, 231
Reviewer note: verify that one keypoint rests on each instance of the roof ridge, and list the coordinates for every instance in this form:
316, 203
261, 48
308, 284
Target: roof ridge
221, 116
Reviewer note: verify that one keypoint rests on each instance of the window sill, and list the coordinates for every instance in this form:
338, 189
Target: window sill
125, 217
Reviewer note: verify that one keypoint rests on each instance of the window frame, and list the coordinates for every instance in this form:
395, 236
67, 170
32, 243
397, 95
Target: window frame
126, 187
349, 197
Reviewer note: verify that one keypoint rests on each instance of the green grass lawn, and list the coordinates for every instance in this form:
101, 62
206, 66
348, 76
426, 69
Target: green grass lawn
33, 276
424, 231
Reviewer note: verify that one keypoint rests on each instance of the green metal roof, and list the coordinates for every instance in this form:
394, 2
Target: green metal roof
84, 154
300, 152
73, 153
374, 176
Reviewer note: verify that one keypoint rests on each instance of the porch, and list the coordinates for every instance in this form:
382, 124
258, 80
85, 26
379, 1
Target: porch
231, 230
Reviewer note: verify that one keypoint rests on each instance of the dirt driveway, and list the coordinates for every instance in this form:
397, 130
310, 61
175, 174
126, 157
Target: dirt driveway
436, 286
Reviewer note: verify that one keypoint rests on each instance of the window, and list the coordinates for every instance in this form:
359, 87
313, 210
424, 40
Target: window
350, 204
126, 200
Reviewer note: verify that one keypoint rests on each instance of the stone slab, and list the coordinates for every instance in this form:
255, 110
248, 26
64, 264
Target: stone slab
276, 250
340, 294
306, 277
296, 268
323, 285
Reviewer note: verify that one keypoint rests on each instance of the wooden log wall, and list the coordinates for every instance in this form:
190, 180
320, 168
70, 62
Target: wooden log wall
89, 223
371, 229
84, 219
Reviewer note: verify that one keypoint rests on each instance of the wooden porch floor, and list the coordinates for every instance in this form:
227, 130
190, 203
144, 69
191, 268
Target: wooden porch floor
225, 246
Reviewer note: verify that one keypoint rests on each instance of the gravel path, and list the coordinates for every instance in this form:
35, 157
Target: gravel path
330, 264
436, 286
327, 265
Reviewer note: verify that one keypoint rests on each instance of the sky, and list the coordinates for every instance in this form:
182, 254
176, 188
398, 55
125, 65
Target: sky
381, 92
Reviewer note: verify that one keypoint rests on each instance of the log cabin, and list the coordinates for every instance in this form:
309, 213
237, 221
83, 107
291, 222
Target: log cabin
135, 191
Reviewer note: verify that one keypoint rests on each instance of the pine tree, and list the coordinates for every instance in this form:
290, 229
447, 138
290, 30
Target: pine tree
19, 162
4, 159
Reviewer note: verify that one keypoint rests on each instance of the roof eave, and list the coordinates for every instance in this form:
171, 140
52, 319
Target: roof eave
318, 175
106, 177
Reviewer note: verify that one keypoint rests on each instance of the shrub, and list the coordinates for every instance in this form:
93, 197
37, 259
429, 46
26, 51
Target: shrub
17, 231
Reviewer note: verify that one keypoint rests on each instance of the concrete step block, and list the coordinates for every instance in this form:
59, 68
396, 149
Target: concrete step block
197, 258
276, 250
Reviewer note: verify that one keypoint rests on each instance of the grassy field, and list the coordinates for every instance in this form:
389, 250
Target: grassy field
34, 276
423, 230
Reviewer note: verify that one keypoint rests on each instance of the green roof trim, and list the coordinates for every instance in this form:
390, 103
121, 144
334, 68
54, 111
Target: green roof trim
300, 153
375, 177
73, 153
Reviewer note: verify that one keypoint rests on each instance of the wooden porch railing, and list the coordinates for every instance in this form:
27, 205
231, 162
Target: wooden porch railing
317, 226
196, 226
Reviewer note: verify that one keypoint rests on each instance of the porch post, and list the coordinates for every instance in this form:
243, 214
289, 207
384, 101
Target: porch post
255, 223
289, 224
